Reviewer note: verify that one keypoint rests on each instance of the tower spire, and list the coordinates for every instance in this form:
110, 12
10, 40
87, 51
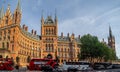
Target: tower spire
56, 20
19, 6
8, 7
42, 15
2, 12
56, 14
110, 32
42, 19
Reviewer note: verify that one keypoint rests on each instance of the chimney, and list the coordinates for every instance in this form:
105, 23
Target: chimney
32, 31
68, 35
62, 34
24, 26
79, 36
73, 35
35, 32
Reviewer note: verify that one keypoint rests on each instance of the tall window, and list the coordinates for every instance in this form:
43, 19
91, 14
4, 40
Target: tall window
6, 20
65, 49
52, 47
46, 47
58, 49
12, 47
49, 48
4, 37
49, 31
1, 33
14, 30
13, 37
46, 31
9, 37
7, 45
52, 31
5, 33
9, 31
3, 45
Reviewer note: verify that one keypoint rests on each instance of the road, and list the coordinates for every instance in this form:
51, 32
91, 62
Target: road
110, 70
25, 70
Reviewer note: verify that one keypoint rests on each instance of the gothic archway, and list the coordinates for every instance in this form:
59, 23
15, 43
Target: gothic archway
49, 56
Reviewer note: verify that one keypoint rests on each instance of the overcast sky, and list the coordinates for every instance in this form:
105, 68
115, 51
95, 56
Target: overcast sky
74, 16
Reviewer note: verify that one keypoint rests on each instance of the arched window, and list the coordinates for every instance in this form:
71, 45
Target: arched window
46, 39
5, 32
65, 49
3, 45
9, 31
9, 37
6, 22
46, 47
52, 47
49, 47
14, 31
49, 31
46, 31
13, 37
7, 45
52, 31
49, 39
58, 49
12, 47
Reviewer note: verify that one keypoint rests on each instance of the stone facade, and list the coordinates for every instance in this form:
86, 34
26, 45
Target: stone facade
15, 40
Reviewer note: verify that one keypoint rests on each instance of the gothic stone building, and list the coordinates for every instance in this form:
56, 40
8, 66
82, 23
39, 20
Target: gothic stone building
15, 40
111, 40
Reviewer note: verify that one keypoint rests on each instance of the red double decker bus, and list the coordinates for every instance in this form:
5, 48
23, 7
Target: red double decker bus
6, 64
42, 64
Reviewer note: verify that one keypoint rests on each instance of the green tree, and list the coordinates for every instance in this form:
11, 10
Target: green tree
92, 48
88, 47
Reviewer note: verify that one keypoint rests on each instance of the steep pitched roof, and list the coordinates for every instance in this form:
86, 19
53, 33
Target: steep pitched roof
49, 20
19, 6
2, 12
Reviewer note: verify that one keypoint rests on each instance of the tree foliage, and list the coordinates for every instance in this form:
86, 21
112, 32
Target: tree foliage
92, 48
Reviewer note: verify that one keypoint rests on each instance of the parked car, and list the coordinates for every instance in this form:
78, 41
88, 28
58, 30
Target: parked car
102, 65
73, 69
116, 66
58, 69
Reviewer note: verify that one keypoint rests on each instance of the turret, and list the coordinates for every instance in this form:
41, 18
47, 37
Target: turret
111, 39
56, 19
42, 19
2, 12
8, 16
42, 23
17, 14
